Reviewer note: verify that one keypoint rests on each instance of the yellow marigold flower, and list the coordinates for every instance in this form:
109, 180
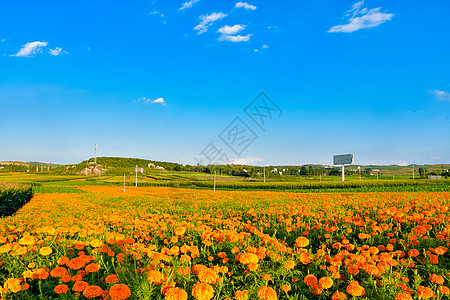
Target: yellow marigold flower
176, 294
202, 291
119, 292
267, 293
44, 251
95, 243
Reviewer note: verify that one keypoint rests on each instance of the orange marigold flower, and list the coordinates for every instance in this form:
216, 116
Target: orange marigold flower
425, 292
95, 243
92, 268
202, 291
155, 277
44, 251
59, 272
290, 264
63, 260
241, 295
119, 292
112, 278
267, 293
310, 280
285, 288
355, 289
180, 230
76, 263
339, 296
247, 258
266, 277
437, 279
325, 282
413, 253
301, 242
352, 269
61, 289
176, 294
92, 291
208, 276
444, 290
80, 286
403, 296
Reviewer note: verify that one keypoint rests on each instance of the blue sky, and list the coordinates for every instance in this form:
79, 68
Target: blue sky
163, 79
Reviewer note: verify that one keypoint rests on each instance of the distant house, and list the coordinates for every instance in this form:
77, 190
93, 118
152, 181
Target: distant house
150, 165
159, 168
434, 177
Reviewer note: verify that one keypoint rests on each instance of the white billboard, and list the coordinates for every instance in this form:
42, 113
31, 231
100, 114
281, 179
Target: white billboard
343, 159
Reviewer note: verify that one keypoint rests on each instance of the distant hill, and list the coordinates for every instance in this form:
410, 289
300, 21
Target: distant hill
43, 164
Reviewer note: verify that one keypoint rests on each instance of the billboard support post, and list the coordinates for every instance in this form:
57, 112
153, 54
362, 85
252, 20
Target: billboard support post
342, 160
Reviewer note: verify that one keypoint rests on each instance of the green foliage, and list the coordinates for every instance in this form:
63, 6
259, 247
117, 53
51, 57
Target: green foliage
12, 199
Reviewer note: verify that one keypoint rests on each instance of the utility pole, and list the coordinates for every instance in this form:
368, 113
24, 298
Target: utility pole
136, 175
95, 154
215, 172
359, 168
264, 174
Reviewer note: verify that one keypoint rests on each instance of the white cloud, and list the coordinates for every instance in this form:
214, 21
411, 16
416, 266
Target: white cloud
440, 95
57, 51
235, 38
3, 40
148, 100
207, 21
160, 101
265, 47
362, 18
245, 5
231, 30
244, 160
188, 4
30, 49
402, 163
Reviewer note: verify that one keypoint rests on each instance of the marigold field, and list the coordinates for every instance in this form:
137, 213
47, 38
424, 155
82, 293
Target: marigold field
177, 244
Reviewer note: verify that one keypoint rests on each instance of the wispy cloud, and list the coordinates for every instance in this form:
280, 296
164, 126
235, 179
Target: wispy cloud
244, 160
235, 38
161, 101
207, 21
360, 17
265, 47
188, 4
30, 49
440, 95
245, 5
158, 13
57, 51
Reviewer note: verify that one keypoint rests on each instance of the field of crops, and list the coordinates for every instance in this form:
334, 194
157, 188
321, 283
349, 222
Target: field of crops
92, 242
